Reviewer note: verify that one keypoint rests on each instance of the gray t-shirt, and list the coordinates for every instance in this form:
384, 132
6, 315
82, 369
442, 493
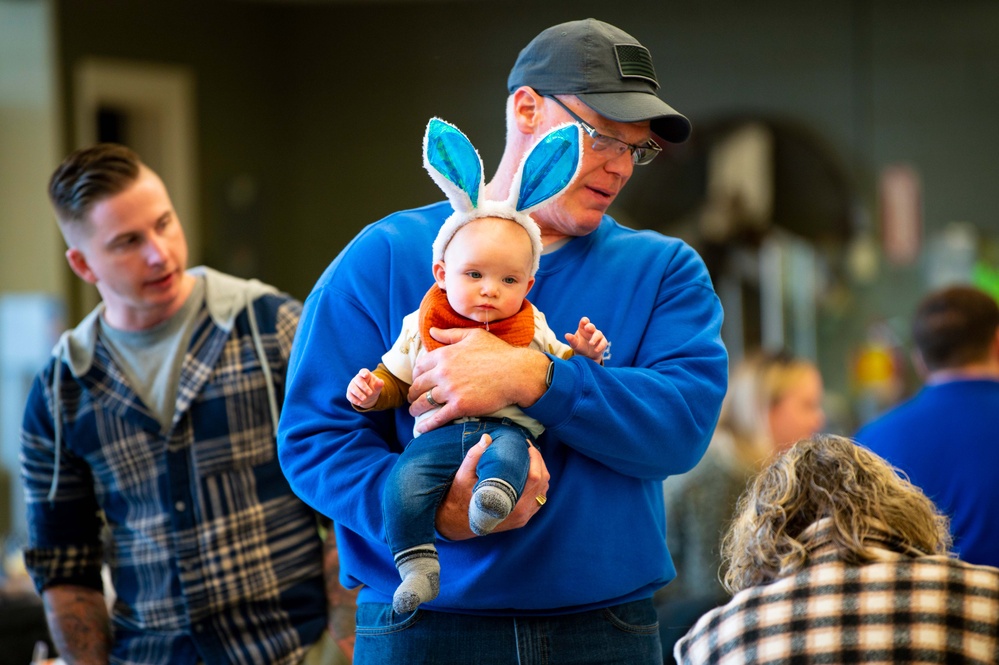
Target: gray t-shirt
152, 359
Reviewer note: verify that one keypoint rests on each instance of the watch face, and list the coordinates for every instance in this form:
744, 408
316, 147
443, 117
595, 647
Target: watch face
551, 373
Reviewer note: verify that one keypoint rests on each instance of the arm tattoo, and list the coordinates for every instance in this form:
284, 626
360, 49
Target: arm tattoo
79, 624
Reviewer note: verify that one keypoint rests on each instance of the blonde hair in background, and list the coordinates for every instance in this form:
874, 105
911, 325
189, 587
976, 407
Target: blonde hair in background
827, 490
757, 384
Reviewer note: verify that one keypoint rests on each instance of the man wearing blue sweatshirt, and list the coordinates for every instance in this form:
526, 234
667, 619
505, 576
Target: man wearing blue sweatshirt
944, 437
569, 576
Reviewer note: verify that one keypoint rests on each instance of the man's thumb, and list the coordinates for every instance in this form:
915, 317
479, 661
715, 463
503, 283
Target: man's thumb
450, 335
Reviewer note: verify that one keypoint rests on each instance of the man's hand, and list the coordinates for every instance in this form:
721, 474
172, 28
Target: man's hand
473, 375
364, 389
588, 341
452, 514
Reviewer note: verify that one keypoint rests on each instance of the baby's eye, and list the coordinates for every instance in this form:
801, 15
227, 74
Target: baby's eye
509, 280
474, 274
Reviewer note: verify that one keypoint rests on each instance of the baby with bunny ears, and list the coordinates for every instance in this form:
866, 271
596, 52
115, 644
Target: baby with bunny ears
484, 261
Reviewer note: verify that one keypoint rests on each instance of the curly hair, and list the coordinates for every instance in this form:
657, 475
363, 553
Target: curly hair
826, 490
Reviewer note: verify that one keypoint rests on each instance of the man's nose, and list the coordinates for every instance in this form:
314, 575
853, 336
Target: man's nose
621, 164
156, 250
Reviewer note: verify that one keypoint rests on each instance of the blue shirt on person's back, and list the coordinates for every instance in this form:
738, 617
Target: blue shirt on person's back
946, 439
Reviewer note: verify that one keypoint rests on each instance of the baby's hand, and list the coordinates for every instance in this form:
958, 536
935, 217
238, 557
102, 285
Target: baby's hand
364, 389
588, 341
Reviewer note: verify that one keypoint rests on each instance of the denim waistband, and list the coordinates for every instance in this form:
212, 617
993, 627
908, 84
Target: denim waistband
486, 419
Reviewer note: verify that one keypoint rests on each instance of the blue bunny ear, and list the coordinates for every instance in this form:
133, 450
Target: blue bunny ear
549, 167
453, 164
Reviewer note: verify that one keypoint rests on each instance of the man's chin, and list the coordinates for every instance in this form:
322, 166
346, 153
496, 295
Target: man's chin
588, 222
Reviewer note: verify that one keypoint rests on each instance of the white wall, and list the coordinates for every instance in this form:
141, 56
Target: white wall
32, 276
30, 244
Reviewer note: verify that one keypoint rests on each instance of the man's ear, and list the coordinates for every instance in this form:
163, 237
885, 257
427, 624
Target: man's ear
527, 109
919, 364
995, 345
439, 273
78, 263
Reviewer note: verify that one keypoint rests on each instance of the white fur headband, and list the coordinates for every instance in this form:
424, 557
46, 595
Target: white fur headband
455, 165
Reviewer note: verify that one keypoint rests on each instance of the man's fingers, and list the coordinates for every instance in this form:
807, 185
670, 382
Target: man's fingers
442, 416
423, 403
466, 471
537, 475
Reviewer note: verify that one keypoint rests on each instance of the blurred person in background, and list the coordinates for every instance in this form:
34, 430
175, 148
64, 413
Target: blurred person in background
945, 437
773, 400
835, 558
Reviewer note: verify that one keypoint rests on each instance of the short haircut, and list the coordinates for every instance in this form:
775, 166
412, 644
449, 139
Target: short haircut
90, 175
954, 327
827, 491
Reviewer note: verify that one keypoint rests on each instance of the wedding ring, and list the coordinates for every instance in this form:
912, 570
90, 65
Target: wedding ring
430, 398
541, 500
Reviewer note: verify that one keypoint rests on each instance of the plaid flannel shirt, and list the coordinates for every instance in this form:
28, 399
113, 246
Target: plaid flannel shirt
212, 556
898, 610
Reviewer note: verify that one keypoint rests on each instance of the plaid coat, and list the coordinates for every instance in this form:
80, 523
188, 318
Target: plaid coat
896, 610
212, 556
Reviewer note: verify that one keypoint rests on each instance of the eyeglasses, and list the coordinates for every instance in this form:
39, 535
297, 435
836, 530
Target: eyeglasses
640, 154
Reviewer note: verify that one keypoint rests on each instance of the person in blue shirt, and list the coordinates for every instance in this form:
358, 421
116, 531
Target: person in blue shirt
570, 580
944, 437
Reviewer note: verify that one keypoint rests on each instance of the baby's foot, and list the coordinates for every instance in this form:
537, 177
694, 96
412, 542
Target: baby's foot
421, 578
492, 501
415, 589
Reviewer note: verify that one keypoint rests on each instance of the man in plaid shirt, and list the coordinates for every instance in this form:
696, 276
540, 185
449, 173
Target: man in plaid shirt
833, 558
148, 443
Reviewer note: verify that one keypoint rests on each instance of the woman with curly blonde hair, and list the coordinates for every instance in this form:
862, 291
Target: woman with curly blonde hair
835, 558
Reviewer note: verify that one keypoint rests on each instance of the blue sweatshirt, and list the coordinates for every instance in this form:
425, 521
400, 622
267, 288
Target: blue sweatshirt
613, 432
944, 439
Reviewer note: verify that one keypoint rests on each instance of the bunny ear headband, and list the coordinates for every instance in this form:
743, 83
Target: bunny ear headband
456, 167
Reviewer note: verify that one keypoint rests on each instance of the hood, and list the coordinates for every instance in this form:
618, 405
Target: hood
226, 296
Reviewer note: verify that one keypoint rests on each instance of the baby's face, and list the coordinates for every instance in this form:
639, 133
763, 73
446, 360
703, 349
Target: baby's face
486, 271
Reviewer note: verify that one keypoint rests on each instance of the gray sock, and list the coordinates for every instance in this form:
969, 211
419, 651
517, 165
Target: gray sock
492, 501
420, 570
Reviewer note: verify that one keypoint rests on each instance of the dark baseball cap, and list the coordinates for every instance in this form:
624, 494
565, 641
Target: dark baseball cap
605, 67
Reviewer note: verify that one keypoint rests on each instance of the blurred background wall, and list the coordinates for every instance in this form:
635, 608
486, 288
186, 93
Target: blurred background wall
843, 158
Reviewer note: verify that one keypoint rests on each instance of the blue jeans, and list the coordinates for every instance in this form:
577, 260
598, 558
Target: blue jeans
626, 634
418, 482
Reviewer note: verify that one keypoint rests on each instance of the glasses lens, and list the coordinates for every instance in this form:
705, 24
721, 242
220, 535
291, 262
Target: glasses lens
644, 154
602, 142
640, 154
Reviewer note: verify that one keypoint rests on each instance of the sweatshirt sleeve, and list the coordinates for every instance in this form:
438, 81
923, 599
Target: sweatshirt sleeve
651, 411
